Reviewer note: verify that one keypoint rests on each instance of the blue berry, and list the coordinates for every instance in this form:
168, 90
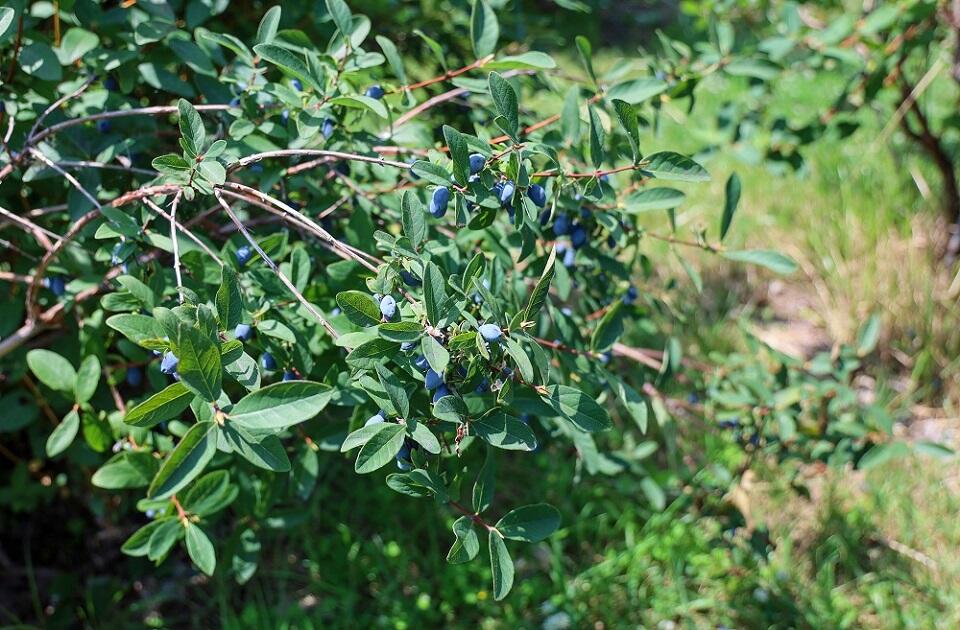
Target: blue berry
58, 285
407, 346
578, 236
439, 201
134, 376
483, 387
103, 126
442, 391
297, 85
376, 419
111, 84
490, 332
433, 379
611, 242
544, 218
150, 513
477, 162
327, 128
631, 295
168, 365
605, 357
375, 91
242, 332
562, 225
243, 254
290, 375
569, 258
537, 195
267, 361
409, 279
388, 306
285, 115
506, 193
234, 102
421, 363
525, 418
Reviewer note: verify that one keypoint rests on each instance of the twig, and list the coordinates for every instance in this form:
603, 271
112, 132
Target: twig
176, 244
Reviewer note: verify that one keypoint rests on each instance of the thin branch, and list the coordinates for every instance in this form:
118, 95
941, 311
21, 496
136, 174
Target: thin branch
273, 266
176, 244
158, 110
256, 157
183, 230
38, 232
56, 105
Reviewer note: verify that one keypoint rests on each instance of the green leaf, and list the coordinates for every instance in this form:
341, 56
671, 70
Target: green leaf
200, 549
868, 335
458, 153
483, 487
633, 402
609, 329
628, 120
673, 166
530, 523
538, 297
140, 291
637, 91
597, 138
191, 126
6, 20
652, 199
186, 461
288, 62
380, 448
881, 453
400, 331
520, 358
372, 352
423, 436
267, 29
531, 60
341, 15
434, 292
209, 494
499, 429
586, 56
127, 469
570, 115
501, 565
164, 405
200, 368
265, 452
170, 164
281, 405
393, 57
88, 377
580, 409
394, 389
731, 200
64, 434
437, 356
229, 299
433, 173
774, 261
39, 61
506, 102
413, 218
138, 544
484, 29
357, 101
76, 43
467, 544
359, 308
52, 370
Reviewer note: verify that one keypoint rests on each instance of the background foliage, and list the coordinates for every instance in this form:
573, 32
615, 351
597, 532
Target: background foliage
740, 482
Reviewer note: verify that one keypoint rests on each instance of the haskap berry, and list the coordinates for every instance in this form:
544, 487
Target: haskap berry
103, 126
537, 195
242, 332
439, 201
379, 418
631, 295
477, 162
561, 225
433, 379
440, 392
327, 128
388, 307
267, 361
57, 285
374, 91
297, 85
578, 236
490, 332
244, 253
421, 363
409, 279
168, 365
134, 376
506, 193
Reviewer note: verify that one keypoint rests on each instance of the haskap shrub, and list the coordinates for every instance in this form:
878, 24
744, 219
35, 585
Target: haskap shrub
282, 258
